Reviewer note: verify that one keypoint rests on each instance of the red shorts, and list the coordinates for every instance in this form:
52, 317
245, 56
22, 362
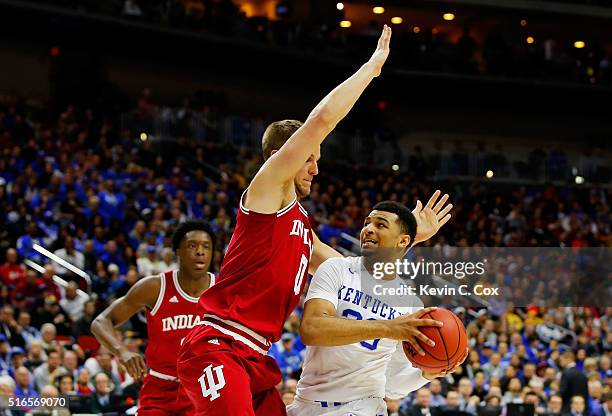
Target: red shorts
159, 397
225, 377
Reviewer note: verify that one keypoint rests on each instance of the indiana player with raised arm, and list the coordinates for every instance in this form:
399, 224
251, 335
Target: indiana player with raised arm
171, 301
223, 363
354, 355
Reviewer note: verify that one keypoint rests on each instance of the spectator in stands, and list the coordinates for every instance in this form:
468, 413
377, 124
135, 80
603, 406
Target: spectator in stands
49, 371
17, 359
494, 368
595, 396
28, 332
72, 256
9, 327
290, 359
103, 399
66, 385
83, 384
12, 273
513, 394
147, 262
82, 326
70, 361
480, 389
573, 381
437, 399
36, 355
7, 389
606, 406
393, 407
421, 404
577, 406
104, 363
467, 401
72, 303
24, 384
48, 334
555, 405
50, 392
532, 398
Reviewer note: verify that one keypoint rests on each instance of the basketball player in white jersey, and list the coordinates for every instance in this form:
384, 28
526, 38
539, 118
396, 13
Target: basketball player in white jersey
354, 357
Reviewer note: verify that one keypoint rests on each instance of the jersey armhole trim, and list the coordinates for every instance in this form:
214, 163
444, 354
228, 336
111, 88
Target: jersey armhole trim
160, 297
278, 213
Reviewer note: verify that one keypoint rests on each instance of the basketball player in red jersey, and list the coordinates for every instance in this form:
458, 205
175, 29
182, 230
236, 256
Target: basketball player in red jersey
223, 363
171, 301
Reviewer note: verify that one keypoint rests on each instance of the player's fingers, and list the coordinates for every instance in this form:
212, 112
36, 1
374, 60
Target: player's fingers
424, 338
428, 322
445, 211
424, 311
381, 40
388, 39
433, 199
142, 366
418, 208
416, 347
440, 203
444, 220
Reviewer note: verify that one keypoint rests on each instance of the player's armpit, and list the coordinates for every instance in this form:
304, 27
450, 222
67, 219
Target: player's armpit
143, 294
321, 252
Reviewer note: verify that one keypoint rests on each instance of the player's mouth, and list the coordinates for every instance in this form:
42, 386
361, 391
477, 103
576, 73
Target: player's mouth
369, 243
199, 265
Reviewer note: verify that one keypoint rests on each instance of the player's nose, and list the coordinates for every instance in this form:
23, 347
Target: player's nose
314, 169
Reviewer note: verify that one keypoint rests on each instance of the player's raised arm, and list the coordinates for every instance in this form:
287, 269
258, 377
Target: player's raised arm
282, 166
143, 294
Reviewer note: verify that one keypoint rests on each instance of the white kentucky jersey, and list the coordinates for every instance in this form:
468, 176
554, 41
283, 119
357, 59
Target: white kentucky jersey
373, 368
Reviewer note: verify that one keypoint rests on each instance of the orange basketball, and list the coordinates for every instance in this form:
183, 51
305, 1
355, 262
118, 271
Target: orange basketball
451, 341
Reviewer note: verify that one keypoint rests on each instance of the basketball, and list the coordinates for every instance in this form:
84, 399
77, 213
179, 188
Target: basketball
451, 342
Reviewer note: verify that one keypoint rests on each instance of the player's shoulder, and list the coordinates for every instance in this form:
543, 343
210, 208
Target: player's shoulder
149, 287
342, 264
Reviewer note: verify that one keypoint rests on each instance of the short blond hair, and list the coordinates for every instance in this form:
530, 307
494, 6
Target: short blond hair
276, 134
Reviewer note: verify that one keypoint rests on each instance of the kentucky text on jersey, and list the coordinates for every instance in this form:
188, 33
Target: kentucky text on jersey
172, 323
376, 306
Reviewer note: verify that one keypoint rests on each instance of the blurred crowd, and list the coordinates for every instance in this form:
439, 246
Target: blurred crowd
502, 51
107, 199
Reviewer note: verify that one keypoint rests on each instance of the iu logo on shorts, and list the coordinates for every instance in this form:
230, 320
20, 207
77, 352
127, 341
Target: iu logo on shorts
210, 387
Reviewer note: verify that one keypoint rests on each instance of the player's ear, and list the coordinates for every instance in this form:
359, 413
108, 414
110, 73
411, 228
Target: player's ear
405, 241
273, 151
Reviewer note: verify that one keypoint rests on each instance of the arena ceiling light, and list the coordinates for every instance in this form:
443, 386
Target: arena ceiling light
340, 6
530, 40
378, 10
346, 23
448, 16
397, 20
579, 44
416, 29
523, 22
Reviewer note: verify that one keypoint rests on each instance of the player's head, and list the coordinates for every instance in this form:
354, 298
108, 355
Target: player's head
194, 244
389, 225
275, 136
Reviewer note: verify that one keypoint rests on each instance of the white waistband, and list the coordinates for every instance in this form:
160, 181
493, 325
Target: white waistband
237, 336
243, 328
163, 376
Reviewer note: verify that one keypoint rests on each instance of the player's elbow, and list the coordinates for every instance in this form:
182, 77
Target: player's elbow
97, 325
307, 332
321, 119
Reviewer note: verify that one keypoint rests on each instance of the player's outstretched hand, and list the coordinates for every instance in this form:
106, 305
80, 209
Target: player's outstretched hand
134, 364
406, 328
382, 50
431, 376
432, 217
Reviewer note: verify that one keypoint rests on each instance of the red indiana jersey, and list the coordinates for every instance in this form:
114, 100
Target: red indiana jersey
264, 270
175, 313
